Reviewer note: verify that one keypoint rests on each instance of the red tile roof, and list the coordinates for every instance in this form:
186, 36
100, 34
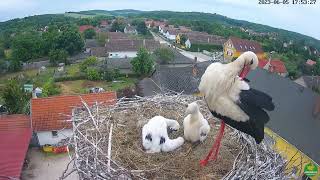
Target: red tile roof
14, 122
262, 63
243, 45
278, 66
15, 133
51, 113
85, 27
310, 62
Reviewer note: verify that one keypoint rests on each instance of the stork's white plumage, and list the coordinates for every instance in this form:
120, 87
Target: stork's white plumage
155, 136
221, 86
230, 99
196, 127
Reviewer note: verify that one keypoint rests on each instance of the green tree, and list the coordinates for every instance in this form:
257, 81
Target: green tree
101, 38
142, 28
3, 66
183, 39
50, 39
15, 65
58, 56
118, 25
89, 33
50, 88
70, 40
89, 62
15, 99
93, 74
143, 64
165, 55
1, 52
27, 46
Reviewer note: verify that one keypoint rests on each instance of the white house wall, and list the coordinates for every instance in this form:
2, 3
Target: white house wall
45, 137
123, 54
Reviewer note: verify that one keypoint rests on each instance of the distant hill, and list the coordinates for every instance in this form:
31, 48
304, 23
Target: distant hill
41, 20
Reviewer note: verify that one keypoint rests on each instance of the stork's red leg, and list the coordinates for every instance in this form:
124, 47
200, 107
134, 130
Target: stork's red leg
219, 139
216, 146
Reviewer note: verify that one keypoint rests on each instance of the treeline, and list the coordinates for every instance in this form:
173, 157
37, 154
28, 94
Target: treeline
57, 43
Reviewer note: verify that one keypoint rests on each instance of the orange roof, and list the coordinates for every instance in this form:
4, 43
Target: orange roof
51, 113
14, 122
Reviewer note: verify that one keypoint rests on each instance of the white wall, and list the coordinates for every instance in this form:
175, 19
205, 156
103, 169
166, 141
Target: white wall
123, 54
188, 43
45, 137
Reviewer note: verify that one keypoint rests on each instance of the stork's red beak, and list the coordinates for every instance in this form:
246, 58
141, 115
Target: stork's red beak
244, 72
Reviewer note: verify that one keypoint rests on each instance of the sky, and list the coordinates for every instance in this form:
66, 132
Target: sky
295, 17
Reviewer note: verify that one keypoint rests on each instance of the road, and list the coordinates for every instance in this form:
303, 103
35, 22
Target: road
192, 55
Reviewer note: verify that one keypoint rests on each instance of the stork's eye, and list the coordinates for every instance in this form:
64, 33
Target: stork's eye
251, 62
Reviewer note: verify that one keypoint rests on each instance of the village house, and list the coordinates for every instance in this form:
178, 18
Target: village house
51, 117
86, 27
15, 133
116, 36
104, 23
90, 43
274, 66
130, 30
128, 48
99, 52
171, 34
234, 47
195, 37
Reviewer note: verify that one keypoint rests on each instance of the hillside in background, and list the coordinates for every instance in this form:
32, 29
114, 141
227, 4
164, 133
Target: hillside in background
291, 47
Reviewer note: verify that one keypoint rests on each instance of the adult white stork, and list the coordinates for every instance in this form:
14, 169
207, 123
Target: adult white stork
230, 99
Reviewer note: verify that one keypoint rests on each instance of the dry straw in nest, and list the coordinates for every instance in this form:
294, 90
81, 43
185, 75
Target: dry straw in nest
107, 143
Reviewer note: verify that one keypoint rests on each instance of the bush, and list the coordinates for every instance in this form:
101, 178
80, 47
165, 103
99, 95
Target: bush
165, 55
89, 33
143, 64
15, 99
90, 61
58, 56
69, 78
92, 74
49, 88
15, 66
207, 47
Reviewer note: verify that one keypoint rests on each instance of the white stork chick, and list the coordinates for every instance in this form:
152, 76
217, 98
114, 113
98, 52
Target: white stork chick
155, 136
232, 100
196, 128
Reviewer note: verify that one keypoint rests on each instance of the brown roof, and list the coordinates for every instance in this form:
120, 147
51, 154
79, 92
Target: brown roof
98, 51
130, 28
246, 45
206, 38
51, 113
131, 45
14, 122
117, 35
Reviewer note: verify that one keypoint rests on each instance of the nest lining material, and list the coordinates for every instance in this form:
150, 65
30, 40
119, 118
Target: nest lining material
101, 132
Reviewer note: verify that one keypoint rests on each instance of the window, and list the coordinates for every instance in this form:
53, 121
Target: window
54, 134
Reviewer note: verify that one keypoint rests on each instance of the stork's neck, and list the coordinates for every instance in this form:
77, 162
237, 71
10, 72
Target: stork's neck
236, 66
194, 117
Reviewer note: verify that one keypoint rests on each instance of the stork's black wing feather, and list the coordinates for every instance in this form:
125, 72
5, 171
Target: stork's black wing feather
252, 102
254, 97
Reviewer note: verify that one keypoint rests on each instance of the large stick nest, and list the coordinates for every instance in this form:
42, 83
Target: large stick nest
121, 124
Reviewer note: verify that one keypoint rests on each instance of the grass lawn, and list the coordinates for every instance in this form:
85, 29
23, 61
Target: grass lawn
83, 86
